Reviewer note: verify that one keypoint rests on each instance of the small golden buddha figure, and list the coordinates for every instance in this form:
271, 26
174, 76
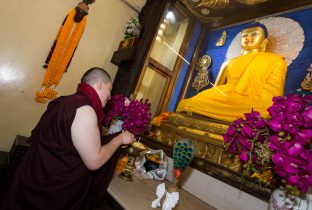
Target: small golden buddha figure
247, 82
222, 39
306, 84
202, 78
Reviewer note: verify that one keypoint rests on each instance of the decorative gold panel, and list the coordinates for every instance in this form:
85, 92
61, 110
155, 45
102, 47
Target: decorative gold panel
214, 4
251, 2
206, 135
201, 9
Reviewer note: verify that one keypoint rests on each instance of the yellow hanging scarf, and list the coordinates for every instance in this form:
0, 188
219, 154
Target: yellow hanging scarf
66, 43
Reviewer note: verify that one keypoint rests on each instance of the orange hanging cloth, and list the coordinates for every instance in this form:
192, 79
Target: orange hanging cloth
62, 51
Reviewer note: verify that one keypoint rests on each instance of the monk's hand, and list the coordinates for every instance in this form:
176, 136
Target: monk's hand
126, 137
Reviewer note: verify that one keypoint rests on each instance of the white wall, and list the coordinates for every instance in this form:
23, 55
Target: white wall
216, 193
28, 29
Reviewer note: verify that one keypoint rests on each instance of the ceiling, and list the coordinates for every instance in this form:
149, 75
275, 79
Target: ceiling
217, 13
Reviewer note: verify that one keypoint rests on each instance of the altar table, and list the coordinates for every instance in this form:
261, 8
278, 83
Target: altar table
139, 194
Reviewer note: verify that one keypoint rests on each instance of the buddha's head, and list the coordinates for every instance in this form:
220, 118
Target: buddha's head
254, 38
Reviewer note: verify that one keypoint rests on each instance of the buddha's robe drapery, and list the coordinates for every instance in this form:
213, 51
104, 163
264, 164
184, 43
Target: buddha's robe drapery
252, 80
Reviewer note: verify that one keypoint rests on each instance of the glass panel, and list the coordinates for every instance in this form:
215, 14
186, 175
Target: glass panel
170, 36
151, 88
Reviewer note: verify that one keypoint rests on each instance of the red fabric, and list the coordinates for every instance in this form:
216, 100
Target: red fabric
95, 100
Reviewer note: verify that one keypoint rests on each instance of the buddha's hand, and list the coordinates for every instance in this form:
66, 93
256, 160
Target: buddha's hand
126, 137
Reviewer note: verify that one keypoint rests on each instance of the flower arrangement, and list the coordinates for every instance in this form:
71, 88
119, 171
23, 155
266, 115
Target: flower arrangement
281, 145
57, 62
291, 123
132, 28
135, 114
249, 139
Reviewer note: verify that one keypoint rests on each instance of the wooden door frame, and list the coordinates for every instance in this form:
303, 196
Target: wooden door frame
164, 71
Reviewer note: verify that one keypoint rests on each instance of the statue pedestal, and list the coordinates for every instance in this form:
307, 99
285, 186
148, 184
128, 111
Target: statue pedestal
205, 133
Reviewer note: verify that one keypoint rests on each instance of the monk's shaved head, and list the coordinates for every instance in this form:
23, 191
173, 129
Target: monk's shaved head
95, 74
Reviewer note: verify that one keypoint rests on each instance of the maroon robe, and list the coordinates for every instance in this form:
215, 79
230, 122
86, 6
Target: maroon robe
52, 175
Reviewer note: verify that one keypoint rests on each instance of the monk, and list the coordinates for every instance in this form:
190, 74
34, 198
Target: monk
68, 165
244, 83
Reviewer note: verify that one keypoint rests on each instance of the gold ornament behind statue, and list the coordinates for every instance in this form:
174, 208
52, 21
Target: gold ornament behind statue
202, 78
222, 39
306, 84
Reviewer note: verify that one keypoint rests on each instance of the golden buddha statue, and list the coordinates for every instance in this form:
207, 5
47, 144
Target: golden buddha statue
246, 82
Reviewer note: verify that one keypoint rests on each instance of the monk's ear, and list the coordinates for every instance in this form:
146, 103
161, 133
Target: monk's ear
264, 44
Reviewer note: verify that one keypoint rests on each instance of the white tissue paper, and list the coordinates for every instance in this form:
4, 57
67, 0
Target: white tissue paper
160, 191
170, 201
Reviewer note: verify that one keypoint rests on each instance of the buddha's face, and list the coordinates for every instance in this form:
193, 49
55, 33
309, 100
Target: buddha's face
252, 38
